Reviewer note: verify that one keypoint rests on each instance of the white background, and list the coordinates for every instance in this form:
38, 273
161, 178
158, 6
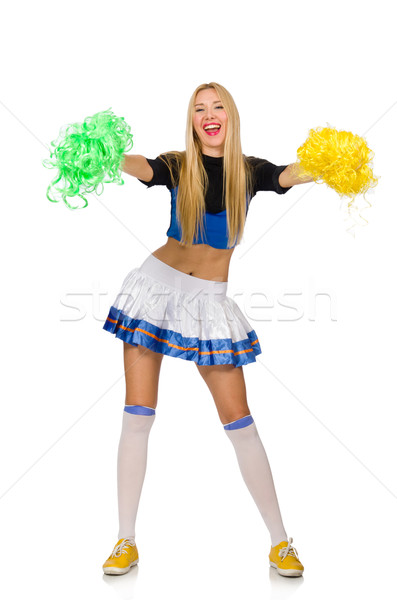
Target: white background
322, 392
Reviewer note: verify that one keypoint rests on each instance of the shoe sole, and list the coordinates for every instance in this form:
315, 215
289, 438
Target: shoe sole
118, 570
287, 572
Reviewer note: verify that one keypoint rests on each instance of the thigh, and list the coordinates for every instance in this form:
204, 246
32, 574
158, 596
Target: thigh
227, 386
142, 372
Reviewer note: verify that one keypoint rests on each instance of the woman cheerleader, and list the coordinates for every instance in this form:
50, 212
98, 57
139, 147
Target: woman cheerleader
176, 303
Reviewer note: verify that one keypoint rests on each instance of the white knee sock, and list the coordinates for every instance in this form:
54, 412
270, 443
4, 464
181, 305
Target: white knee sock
131, 464
257, 474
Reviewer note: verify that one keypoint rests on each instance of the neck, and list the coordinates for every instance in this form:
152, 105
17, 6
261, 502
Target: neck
214, 152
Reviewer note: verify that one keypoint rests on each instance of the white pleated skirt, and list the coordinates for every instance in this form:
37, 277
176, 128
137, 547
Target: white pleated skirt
179, 315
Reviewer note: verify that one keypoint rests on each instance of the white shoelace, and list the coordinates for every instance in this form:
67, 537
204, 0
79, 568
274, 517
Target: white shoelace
288, 550
122, 547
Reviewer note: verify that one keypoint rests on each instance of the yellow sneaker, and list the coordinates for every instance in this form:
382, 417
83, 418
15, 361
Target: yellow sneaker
124, 556
285, 559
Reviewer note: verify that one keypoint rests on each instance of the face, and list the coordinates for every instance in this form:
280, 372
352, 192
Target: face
208, 111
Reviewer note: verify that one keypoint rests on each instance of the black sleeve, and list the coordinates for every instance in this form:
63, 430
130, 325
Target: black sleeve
161, 173
265, 176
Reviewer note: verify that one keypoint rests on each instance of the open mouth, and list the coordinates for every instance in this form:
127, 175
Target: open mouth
212, 129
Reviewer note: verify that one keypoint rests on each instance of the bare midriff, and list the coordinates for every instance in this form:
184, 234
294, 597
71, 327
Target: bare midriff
198, 260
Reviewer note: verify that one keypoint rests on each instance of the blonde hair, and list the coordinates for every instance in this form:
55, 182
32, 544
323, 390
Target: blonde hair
193, 179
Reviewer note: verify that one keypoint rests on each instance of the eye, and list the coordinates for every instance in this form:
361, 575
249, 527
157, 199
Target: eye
198, 109
219, 107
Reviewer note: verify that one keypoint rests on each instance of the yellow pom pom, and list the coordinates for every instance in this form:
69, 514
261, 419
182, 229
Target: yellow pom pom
340, 158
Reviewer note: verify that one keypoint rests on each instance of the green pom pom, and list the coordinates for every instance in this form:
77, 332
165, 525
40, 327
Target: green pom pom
88, 155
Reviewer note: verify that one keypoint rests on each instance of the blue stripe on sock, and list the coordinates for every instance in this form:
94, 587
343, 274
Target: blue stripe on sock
243, 422
136, 409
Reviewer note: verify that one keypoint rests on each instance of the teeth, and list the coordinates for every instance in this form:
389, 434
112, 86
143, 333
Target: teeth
212, 127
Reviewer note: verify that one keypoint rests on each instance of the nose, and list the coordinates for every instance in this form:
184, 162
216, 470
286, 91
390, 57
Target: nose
210, 113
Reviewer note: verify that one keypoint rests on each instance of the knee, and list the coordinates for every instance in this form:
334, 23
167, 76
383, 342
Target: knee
233, 415
132, 400
232, 408
239, 423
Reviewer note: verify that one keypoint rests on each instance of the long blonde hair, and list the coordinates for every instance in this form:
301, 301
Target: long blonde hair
193, 179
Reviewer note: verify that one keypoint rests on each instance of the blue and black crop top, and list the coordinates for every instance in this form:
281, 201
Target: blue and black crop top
265, 178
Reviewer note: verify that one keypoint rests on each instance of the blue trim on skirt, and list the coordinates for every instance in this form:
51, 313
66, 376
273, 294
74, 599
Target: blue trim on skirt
171, 343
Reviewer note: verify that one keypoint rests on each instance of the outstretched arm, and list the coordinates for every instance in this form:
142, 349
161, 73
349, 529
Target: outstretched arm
290, 176
137, 166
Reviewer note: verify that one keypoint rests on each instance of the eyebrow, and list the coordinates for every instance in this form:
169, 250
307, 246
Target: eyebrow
202, 104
